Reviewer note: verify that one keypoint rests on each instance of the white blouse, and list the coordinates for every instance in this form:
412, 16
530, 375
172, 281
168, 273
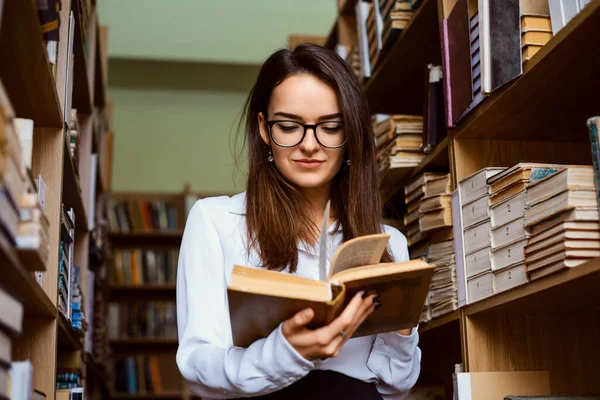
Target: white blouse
214, 240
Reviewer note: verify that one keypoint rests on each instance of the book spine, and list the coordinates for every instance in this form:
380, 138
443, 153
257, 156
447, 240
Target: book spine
593, 124
446, 67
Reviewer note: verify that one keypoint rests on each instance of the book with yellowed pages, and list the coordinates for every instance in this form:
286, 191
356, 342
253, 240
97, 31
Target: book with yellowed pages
568, 179
259, 300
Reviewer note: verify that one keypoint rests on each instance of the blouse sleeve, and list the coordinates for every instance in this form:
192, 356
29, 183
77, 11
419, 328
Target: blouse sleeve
211, 365
395, 359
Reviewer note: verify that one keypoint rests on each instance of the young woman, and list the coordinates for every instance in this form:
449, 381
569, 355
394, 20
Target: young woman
310, 140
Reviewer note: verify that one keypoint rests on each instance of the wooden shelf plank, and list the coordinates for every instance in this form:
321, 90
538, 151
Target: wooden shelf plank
72, 196
67, 337
21, 283
398, 84
439, 322
395, 179
25, 69
82, 90
555, 95
571, 290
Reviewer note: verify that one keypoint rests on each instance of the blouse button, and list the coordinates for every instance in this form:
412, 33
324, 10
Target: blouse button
380, 341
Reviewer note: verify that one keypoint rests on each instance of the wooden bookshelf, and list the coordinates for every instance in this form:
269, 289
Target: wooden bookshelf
48, 340
27, 78
402, 69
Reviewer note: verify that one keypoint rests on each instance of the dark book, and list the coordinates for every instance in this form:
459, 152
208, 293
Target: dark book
459, 58
594, 126
500, 33
434, 126
49, 16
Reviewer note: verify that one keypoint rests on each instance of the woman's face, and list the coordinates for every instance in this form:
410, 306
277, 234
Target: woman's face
305, 99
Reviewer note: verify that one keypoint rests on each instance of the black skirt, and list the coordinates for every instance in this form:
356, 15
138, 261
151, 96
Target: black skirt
326, 385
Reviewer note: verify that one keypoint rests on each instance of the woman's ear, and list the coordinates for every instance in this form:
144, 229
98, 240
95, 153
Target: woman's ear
262, 126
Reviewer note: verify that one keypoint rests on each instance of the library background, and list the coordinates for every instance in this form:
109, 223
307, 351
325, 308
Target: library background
483, 114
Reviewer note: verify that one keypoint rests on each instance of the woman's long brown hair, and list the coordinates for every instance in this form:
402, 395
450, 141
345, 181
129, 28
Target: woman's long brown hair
277, 215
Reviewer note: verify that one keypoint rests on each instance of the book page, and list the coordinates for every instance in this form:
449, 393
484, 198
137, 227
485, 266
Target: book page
365, 250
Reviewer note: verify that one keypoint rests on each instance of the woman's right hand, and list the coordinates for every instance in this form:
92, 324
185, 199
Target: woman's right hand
327, 341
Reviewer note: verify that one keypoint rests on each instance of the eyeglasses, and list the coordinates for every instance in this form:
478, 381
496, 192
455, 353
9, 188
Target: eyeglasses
329, 134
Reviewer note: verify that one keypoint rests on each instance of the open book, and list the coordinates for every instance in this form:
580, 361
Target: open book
259, 300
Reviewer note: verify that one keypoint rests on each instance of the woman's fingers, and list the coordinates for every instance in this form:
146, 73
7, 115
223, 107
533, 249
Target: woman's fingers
298, 321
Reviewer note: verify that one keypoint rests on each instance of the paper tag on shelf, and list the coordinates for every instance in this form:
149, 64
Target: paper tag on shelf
39, 275
42, 193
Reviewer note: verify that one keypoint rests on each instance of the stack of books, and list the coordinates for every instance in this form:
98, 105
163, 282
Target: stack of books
536, 30
353, 59
33, 239
474, 201
49, 16
396, 15
11, 324
150, 319
21, 382
373, 36
78, 320
507, 220
562, 214
146, 374
139, 267
65, 262
100, 340
398, 141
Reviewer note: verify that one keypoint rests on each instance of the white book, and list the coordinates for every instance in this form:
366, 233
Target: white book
477, 237
480, 287
508, 210
459, 250
21, 378
475, 186
479, 262
91, 214
476, 212
362, 13
510, 254
510, 277
562, 11
24, 131
513, 231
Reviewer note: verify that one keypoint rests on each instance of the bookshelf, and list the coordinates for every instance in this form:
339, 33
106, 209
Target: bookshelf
548, 324
35, 92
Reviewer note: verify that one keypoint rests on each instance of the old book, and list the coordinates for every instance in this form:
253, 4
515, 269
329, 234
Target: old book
562, 11
548, 259
510, 277
441, 235
475, 186
578, 238
535, 7
354, 267
478, 262
575, 215
560, 203
529, 51
459, 250
442, 249
520, 173
419, 251
412, 228
411, 217
11, 317
500, 43
508, 210
445, 44
442, 293
407, 142
509, 254
535, 23
536, 38
435, 219
438, 185
571, 178
477, 237
434, 203
476, 212
480, 287
459, 58
508, 192
418, 184
555, 267
554, 245
508, 233
444, 307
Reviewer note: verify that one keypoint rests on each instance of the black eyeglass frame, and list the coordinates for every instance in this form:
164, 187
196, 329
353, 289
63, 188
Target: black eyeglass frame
306, 127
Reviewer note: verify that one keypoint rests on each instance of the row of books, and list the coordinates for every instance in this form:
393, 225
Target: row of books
18, 373
379, 24
398, 141
142, 216
428, 224
524, 223
150, 319
68, 379
146, 374
143, 266
22, 219
485, 45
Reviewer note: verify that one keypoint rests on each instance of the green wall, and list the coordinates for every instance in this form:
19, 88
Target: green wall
177, 123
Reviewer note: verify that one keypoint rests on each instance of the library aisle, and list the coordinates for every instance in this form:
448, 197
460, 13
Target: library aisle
485, 121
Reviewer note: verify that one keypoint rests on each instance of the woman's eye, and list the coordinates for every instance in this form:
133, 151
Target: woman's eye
331, 128
288, 128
